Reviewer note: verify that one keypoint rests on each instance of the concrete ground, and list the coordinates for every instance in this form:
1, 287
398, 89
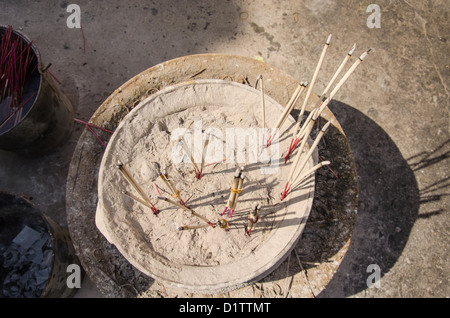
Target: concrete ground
394, 109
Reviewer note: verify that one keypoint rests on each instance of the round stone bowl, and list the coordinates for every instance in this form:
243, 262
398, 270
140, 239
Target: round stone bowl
131, 232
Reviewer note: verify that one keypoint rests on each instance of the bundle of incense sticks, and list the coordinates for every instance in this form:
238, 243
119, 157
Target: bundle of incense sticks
253, 218
296, 137
236, 188
319, 110
291, 178
145, 200
16, 61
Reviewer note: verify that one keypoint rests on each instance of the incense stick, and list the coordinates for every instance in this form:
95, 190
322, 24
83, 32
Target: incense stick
92, 125
311, 86
339, 70
263, 108
305, 158
300, 179
313, 147
332, 94
287, 110
333, 79
189, 153
169, 183
343, 80
132, 196
185, 208
263, 103
205, 149
300, 150
300, 135
192, 227
127, 175
253, 218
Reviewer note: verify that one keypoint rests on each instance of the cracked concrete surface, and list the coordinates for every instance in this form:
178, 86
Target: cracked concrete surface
394, 109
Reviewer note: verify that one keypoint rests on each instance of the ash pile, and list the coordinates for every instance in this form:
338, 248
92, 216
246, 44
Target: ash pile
26, 264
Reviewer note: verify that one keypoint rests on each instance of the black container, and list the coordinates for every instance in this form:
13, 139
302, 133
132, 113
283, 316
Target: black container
47, 117
16, 213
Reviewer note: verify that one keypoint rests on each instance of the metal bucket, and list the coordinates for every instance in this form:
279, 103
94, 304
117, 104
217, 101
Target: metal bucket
35, 252
46, 118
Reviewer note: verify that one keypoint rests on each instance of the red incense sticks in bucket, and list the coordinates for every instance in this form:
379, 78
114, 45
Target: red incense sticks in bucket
17, 62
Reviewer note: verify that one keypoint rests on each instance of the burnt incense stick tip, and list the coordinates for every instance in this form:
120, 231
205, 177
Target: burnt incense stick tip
315, 116
328, 40
352, 50
364, 55
325, 127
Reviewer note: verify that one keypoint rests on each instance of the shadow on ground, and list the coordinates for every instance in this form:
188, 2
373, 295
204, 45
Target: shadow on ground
388, 203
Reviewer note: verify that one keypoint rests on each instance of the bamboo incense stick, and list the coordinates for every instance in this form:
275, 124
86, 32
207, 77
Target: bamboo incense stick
263, 108
288, 108
253, 218
205, 149
343, 80
339, 70
185, 208
263, 103
127, 175
189, 153
193, 227
333, 79
300, 150
301, 133
172, 188
313, 147
311, 85
132, 196
300, 179
325, 103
